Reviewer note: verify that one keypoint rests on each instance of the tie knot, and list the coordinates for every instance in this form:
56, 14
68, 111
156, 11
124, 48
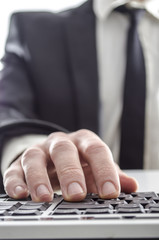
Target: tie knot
134, 13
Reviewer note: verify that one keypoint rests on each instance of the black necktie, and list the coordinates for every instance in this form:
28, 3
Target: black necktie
133, 115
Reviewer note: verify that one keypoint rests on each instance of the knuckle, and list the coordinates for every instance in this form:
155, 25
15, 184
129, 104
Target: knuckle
61, 145
30, 154
70, 172
34, 173
10, 172
104, 171
95, 148
84, 132
55, 135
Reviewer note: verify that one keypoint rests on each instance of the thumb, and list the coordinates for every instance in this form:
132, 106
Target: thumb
128, 184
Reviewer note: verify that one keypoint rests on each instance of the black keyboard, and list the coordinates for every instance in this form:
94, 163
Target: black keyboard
135, 205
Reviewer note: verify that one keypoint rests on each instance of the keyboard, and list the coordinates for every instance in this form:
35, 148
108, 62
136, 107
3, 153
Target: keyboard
130, 216
136, 205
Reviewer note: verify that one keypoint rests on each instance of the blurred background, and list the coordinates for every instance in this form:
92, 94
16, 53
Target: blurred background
10, 6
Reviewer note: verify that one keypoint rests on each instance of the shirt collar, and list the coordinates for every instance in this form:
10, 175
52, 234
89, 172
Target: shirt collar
102, 8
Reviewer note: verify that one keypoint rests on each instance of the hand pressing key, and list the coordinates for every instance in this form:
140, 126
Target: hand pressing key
77, 163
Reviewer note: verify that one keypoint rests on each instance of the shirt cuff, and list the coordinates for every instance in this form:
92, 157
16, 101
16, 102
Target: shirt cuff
16, 146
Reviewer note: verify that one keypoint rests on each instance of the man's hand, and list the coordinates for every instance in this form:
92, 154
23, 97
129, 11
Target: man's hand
76, 163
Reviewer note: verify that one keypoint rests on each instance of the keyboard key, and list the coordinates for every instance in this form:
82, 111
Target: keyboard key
30, 203
130, 210
142, 202
93, 196
129, 206
81, 206
66, 212
21, 200
152, 205
98, 211
85, 201
115, 202
33, 207
153, 210
129, 198
139, 198
144, 194
5, 203
3, 195
19, 212
3, 213
124, 196
156, 199
8, 208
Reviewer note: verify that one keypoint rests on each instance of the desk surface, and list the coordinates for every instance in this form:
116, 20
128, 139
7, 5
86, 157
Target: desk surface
148, 179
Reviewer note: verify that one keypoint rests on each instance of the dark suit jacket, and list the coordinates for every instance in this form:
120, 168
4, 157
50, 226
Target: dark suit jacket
50, 73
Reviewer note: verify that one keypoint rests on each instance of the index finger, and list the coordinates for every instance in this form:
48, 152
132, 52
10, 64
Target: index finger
97, 154
64, 155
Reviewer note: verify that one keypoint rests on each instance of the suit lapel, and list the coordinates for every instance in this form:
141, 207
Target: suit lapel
81, 45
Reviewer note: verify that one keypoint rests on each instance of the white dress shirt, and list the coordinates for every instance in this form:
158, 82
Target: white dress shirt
111, 34
111, 38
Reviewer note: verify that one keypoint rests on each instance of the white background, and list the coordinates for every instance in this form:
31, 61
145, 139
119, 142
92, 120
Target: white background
10, 6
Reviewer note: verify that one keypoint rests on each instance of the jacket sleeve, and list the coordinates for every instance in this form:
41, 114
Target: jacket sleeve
17, 99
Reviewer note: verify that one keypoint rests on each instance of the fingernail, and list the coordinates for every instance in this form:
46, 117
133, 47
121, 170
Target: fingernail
41, 191
18, 191
74, 189
108, 189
